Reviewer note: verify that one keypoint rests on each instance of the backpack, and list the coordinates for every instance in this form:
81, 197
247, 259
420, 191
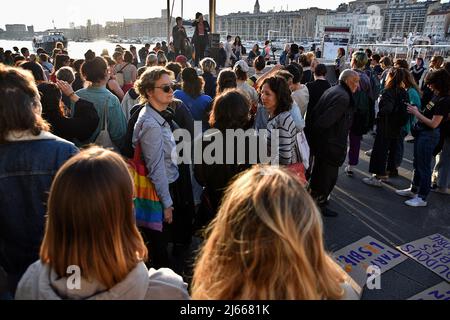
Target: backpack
374, 82
400, 113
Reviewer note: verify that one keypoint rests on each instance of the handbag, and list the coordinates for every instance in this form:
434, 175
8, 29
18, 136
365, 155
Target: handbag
298, 170
104, 139
147, 205
303, 148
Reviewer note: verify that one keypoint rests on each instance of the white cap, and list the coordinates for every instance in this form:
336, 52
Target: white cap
242, 65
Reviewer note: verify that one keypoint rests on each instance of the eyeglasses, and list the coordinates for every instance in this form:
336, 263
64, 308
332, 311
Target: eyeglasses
166, 88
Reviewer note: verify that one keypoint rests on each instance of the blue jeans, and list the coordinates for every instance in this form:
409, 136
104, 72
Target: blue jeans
424, 145
443, 165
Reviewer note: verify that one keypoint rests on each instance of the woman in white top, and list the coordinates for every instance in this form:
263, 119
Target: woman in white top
241, 69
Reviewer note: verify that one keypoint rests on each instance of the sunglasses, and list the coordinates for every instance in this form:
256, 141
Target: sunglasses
166, 88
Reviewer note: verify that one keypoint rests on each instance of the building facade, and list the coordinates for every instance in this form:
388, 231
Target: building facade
365, 23
402, 17
437, 25
284, 25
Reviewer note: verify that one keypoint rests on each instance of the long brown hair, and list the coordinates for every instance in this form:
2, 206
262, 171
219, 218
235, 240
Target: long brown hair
192, 83
20, 106
266, 243
90, 220
410, 82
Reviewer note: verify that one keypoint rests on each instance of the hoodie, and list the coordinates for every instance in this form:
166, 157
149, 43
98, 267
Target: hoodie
42, 283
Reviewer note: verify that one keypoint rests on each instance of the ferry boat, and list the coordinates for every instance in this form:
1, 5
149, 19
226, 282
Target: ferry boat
48, 42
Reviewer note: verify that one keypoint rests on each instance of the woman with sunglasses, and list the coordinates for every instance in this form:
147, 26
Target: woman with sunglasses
153, 132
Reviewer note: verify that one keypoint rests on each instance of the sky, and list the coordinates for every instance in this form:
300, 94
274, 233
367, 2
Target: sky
100, 11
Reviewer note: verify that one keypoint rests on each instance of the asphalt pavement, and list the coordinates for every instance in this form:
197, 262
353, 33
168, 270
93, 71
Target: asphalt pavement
378, 212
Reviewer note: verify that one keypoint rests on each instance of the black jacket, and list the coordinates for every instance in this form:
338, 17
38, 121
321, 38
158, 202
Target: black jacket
207, 30
182, 118
216, 177
331, 120
179, 36
392, 115
79, 127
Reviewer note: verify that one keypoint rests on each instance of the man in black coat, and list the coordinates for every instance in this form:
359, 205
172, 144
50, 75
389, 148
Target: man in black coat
331, 120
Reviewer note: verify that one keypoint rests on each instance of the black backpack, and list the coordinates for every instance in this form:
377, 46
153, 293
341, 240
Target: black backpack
401, 103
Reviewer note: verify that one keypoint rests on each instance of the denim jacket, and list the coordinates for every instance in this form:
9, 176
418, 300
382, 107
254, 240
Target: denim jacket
27, 167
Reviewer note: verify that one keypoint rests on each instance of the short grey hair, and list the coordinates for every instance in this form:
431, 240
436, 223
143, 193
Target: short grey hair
152, 60
208, 65
347, 74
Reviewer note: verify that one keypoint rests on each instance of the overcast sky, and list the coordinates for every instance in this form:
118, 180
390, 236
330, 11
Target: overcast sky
41, 13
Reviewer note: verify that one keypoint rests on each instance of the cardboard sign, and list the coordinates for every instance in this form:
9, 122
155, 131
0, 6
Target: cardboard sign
440, 291
357, 258
432, 252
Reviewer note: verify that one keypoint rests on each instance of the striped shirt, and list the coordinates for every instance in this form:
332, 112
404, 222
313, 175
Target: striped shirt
287, 153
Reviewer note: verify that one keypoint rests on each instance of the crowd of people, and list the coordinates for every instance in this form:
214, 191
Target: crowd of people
69, 203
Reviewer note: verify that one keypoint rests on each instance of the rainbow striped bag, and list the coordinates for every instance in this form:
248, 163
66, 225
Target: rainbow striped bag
148, 208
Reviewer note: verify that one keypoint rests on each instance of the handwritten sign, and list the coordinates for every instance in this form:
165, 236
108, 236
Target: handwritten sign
433, 252
440, 291
357, 258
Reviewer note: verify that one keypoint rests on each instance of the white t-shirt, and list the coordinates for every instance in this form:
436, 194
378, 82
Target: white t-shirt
301, 97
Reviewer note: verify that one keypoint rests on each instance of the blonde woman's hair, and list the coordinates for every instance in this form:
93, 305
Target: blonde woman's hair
208, 65
148, 80
266, 243
90, 219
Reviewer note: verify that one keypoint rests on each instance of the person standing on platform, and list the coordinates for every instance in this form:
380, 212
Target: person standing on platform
200, 38
179, 37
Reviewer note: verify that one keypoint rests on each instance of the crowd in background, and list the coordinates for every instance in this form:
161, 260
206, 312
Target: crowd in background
247, 213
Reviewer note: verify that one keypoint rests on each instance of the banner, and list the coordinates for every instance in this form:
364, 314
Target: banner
433, 252
368, 254
440, 291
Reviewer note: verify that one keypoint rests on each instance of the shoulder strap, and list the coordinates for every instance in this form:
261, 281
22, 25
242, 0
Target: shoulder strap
123, 67
105, 115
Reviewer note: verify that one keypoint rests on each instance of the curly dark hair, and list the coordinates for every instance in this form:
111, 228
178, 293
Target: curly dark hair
280, 87
230, 110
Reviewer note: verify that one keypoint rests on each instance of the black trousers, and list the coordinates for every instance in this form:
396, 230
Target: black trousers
156, 242
384, 154
323, 179
200, 47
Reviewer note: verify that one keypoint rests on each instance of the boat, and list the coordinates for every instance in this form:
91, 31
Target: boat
48, 42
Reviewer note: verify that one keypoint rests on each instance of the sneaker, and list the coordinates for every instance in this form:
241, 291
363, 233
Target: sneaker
373, 181
416, 202
392, 173
441, 190
406, 193
348, 171
368, 153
